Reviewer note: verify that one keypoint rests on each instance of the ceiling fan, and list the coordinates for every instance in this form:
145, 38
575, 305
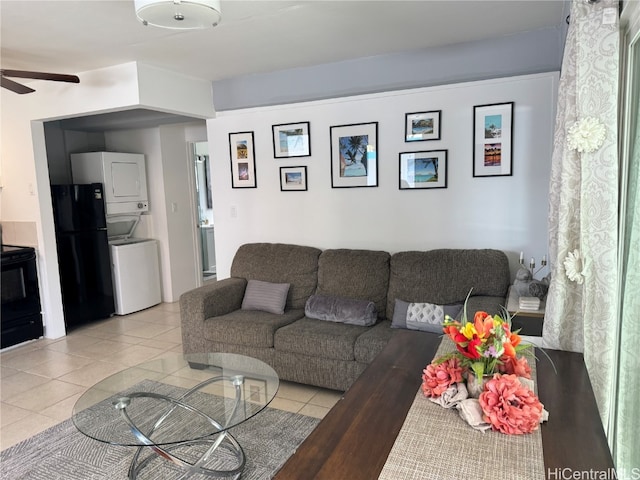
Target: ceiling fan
19, 88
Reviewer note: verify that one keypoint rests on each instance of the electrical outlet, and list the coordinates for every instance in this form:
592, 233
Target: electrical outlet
234, 211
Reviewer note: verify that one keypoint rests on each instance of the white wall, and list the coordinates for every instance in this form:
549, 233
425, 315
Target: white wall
508, 213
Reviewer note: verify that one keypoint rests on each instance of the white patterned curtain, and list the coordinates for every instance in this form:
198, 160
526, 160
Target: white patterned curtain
581, 313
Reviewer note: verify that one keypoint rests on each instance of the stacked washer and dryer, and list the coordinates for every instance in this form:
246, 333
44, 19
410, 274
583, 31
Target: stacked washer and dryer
134, 261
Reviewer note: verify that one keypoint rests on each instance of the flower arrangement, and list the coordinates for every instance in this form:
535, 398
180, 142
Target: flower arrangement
486, 346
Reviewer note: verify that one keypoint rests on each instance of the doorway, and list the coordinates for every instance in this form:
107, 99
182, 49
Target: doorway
204, 206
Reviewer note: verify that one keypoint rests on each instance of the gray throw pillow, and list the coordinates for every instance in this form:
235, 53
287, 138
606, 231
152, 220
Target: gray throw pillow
341, 310
427, 317
265, 296
400, 314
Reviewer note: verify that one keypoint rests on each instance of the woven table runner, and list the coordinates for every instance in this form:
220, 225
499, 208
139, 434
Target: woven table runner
435, 443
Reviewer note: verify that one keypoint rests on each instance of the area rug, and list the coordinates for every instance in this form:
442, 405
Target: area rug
61, 452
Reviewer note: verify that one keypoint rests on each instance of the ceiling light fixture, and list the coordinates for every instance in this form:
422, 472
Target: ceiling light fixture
179, 14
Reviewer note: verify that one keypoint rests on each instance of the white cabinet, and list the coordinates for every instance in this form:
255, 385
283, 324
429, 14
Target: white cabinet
122, 174
136, 275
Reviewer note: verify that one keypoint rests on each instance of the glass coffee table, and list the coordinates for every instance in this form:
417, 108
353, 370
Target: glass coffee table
181, 408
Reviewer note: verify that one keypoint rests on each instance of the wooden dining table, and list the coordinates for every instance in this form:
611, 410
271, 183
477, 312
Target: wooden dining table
354, 439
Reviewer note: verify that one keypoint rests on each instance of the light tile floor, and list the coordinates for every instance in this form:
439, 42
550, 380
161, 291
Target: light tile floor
41, 380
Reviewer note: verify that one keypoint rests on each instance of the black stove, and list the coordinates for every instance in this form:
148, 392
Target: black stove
21, 316
15, 252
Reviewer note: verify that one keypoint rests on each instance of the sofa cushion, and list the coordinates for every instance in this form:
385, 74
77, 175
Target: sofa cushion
372, 342
319, 339
341, 310
359, 274
446, 276
265, 296
248, 327
280, 263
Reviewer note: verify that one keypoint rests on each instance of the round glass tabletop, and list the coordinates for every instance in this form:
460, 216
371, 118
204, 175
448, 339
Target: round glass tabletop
175, 399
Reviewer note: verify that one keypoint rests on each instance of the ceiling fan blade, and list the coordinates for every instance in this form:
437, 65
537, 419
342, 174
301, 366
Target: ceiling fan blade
56, 77
14, 86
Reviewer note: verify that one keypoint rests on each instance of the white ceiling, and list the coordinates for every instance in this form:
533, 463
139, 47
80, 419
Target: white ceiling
254, 36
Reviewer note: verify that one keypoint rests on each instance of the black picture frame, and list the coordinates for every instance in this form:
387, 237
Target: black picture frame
424, 170
291, 140
422, 126
354, 155
243, 160
493, 139
293, 179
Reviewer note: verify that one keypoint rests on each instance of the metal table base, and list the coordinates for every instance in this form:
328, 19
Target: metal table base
221, 440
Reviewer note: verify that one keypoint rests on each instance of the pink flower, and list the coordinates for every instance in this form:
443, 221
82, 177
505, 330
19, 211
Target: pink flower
509, 406
437, 377
515, 366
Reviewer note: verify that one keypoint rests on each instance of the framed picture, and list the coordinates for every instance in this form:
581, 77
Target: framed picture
492, 139
293, 179
421, 126
354, 155
243, 161
291, 140
420, 170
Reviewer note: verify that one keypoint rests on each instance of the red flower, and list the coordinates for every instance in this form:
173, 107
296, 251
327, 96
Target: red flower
509, 406
470, 351
515, 366
437, 378
453, 331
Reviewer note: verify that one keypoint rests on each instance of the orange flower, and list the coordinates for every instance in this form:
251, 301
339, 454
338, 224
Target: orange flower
483, 323
514, 338
509, 351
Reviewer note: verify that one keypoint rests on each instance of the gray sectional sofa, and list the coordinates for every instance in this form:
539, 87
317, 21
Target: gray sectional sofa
325, 353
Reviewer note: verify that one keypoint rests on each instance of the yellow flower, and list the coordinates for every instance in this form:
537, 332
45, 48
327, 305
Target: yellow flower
468, 330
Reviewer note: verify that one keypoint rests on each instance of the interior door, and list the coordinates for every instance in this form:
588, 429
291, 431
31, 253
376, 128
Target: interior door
203, 211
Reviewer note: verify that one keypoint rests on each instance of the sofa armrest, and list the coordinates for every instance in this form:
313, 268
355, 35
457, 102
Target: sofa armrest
217, 298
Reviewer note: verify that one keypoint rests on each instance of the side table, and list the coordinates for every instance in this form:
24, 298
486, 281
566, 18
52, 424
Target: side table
528, 321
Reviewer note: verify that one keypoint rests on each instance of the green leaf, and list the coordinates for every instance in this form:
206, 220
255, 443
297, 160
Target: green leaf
478, 369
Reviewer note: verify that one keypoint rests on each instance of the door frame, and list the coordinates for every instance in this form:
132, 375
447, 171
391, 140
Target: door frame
195, 220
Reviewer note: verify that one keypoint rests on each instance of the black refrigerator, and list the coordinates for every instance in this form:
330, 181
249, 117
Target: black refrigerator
83, 253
